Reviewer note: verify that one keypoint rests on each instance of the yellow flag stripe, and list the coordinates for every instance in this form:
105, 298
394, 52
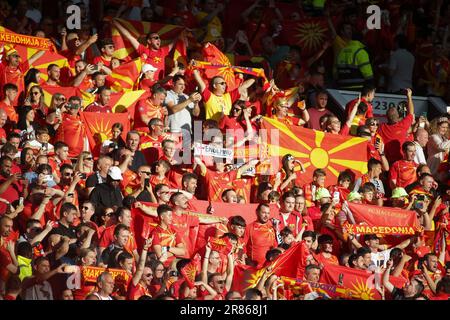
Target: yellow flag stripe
282, 127
347, 144
319, 138
359, 166
333, 170
128, 98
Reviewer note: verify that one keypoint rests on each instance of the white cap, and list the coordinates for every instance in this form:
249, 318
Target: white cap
148, 67
115, 173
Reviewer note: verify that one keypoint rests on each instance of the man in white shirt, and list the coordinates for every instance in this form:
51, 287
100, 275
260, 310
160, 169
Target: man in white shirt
181, 106
420, 140
401, 65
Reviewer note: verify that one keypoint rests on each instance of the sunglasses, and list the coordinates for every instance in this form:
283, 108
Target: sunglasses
61, 99
90, 158
15, 56
221, 83
35, 93
373, 124
155, 37
148, 275
109, 214
146, 172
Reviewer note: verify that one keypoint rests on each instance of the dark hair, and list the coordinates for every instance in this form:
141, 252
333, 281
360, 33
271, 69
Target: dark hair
230, 236
25, 249
309, 233
128, 201
312, 267
59, 145
22, 122
66, 166
285, 232
188, 176
9, 148
325, 238
361, 252
319, 173
258, 208
288, 194
443, 285
66, 207
119, 227
407, 144
51, 66
252, 294
344, 175
272, 254
9, 86
372, 163
367, 187
163, 208
159, 186
366, 90
124, 256
178, 77
237, 221
402, 41
31, 76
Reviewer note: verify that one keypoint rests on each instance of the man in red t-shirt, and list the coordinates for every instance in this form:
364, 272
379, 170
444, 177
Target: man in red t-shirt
167, 243
150, 108
367, 96
261, 236
218, 180
123, 216
10, 93
403, 172
153, 52
102, 104
107, 49
395, 132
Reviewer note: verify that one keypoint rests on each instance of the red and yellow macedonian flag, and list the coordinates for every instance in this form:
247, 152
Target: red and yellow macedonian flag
10, 37
125, 77
139, 30
315, 149
310, 34
362, 284
98, 129
212, 54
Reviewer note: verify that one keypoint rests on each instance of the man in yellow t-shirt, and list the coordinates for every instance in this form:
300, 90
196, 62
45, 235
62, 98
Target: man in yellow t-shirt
217, 100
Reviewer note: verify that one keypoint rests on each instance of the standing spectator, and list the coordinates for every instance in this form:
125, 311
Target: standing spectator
181, 106
401, 65
438, 145
403, 172
420, 141
395, 132
319, 110
108, 194
10, 93
105, 284
261, 236
102, 103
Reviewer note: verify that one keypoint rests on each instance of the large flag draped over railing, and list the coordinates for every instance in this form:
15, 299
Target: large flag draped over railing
316, 150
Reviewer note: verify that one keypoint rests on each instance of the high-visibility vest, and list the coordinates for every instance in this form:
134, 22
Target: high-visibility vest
318, 4
353, 66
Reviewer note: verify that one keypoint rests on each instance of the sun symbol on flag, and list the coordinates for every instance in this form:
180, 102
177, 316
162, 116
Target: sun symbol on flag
102, 129
362, 291
315, 155
311, 35
254, 278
